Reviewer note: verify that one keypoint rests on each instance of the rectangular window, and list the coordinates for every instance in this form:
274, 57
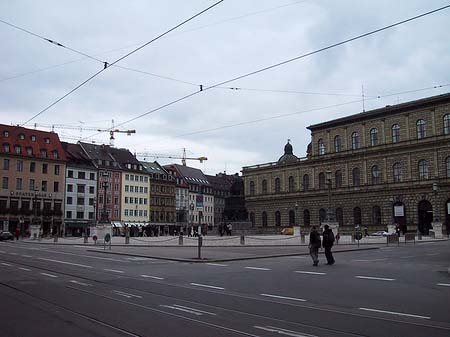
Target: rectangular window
91, 189
91, 201
55, 186
91, 176
32, 167
127, 188
127, 177
131, 200
116, 213
80, 201
18, 183
44, 186
6, 164
19, 165
136, 200
45, 168
32, 184
80, 215
131, 188
141, 189
140, 201
91, 215
81, 175
69, 188
80, 188
145, 189
145, 201
116, 187
56, 170
140, 212
69, 215
116, 200
126, 200
70, 174
5, 183
126, 212
69, 200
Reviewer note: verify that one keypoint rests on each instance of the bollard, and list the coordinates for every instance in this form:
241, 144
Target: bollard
200, 244
180, 240
242, 240
302, 238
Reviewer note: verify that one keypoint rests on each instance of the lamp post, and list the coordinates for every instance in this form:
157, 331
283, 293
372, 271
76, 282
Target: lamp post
436, 202
296, 220
329, 215
35, 190
104, 214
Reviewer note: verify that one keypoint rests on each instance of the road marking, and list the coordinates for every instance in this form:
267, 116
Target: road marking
284, 297
206, 286
257, 268
137, 258
193, 309
114, 271
6, 264
299, 257
28, 256
217, 264
370, 260
13, 254
81, 283
443, 284
375, 278
2, 251
127, 295
64, 262
309, 272
434, 254
26, 269
153, 277
49, 275
189, 310
89, 256
282, 331
408, 257
395, 313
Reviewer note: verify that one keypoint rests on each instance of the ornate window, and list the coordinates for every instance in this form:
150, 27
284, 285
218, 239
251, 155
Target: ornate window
374, 137
305, 182
376, 175
277, 218
447, 124
321, 181
338, 178
357, 216
395, 133
340, 216
322, 215
337, 144
291, 184
397, 171
376, 215
252, 188
277, 185
291, 218
421, 127
321, 147
306, 218
355, 141
264, 219
264, 186
423, 169
356, 176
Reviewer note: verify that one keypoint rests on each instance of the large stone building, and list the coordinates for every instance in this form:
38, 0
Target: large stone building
376, 168
32, 174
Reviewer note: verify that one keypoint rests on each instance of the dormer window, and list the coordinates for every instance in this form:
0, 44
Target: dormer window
44, 153
29, 151
55, 154
33, 138
6, 147
21, 136
47, 140
5, 134
18, 149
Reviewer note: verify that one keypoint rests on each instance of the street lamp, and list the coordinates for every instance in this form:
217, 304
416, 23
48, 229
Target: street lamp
104, 215
296, 222
436, 202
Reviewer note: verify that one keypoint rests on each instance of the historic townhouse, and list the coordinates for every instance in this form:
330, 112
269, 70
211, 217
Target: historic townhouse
181, 197
32, 176
385, 166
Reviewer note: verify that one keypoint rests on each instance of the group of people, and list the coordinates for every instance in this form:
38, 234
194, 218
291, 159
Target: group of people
316, 242
225, 229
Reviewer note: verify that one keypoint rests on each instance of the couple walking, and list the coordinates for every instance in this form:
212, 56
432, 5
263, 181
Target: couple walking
315, 243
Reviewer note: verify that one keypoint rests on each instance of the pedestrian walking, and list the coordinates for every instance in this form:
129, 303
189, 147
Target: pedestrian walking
229, 228
327, 243
314, 245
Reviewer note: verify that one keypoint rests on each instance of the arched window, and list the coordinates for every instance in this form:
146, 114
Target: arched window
337, 144
264, 186
357, 216
252, 218
252, 188
338, 178
277, 218
421, 127
356, 176
264, 219
447, 124
322, 215
395, 133
291, 184
291, 218
277, 185
305, 182
376, 215
376, 175
374, 137
447, 161
423, 169
340, 216
306, 218
397, 171
321, 147
355, 140
321, 181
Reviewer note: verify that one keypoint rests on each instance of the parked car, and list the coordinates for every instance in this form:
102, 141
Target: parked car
5, 235
381, 233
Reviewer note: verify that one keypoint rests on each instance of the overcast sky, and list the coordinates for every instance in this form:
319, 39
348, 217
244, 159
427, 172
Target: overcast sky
234, 38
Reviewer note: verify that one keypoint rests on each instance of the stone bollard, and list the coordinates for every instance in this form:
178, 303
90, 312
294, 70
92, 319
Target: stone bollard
180, 240
302, 238
242, 240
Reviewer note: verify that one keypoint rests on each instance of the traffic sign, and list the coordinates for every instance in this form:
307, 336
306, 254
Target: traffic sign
107, 237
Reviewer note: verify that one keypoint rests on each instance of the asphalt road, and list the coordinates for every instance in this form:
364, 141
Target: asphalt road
70, 291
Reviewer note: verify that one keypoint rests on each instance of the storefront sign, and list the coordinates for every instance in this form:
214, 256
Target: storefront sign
31, 194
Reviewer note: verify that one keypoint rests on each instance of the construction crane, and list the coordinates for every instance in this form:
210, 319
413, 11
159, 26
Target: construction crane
112, 132
183, 157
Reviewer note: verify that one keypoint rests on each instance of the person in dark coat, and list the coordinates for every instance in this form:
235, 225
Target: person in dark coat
314, 245
327, 243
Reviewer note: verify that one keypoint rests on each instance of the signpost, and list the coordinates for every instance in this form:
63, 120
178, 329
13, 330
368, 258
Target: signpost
199, 205
358, 236
107, 239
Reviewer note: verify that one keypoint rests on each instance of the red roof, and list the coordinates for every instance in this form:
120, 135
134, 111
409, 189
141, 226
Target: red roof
32, 143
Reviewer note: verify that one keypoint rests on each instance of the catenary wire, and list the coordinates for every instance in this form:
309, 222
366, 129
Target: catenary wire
123, 57
282, 63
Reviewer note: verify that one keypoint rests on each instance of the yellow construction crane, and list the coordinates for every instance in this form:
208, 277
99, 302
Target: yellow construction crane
112, 132
183, 157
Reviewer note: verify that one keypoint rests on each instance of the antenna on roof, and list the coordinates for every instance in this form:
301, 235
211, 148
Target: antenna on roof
363, 98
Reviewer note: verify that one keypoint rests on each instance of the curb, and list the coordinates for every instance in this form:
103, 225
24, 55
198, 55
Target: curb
204, 260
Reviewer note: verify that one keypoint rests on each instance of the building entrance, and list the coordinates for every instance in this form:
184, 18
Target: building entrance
425, 217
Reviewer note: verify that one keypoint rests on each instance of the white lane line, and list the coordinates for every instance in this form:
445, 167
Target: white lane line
193, 309
81, 283
13, 254
28, 256
64, 262
257, 268
217, 264
2, 251
284, 297
434, 254
373, 260
299, 257
281, 331
153, 277
49, 275
375, 278
408, 256
114, 271
26, 269
181, 309
395, 313
443, 284
127, 295
206, 286
309, 272
6, 264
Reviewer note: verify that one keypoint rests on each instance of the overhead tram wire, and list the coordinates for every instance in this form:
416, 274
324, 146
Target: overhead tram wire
204, 88
123, 57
